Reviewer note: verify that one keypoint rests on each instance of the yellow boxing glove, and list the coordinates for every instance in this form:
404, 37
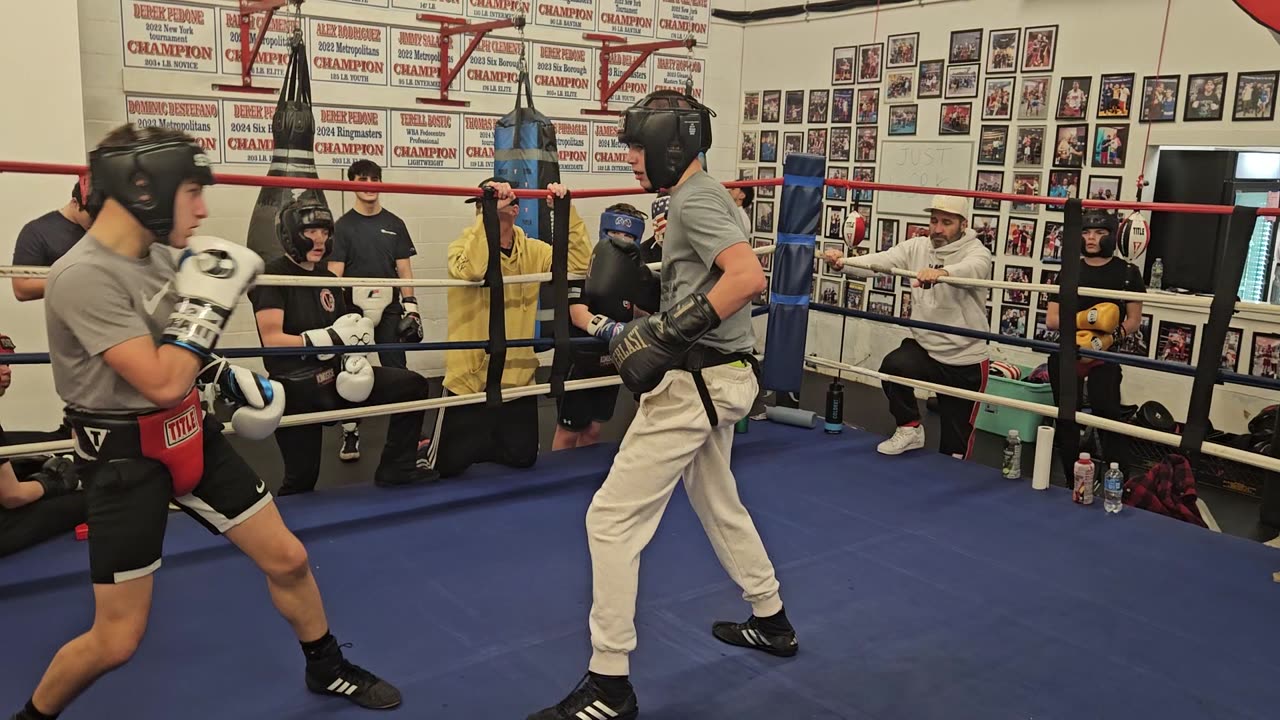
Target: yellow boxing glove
1100, 341
1103, 317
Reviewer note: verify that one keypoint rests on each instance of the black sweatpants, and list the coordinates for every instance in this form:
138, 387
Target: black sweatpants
300, 444
469, 434
41, 520
910, 360
1104, 402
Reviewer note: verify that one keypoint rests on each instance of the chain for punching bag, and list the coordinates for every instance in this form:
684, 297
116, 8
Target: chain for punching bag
293, 131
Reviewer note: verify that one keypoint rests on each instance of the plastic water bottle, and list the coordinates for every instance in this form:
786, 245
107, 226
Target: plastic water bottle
1012, 468
1157, 274
1082, 489
1113, 489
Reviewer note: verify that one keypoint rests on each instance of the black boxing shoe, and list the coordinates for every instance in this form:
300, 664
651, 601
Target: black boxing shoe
350, 681
758, 635
590, 702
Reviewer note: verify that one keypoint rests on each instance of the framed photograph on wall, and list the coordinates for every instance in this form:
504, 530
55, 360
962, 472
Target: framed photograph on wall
1026, 184
880, 303
1063, 184
1033, 100
751, 107
1231, 350
987, 228
1138, 343
1022, 298
997, 99
864, 174
903, 50
768, 146
962, 82
1115, 96
749, 142
955, 118
881, 281
901, 84
988, 181
835, 193
1073, 97
840, 144
819, 101
868, 112
766, 173
888, 236
1002, 51
770, 106
1042, 331
1013, 321
1110, 145
1030, 146
915, 230
1264, 362
829, 291
817, 142
930, 79
792, 142
904, 306
766, 261
1255, 97
903, 119
853, 294
1206, 96
1051, 243
1104, 187
1159, 98
870, 63
865, 145
1071, 146
966, 47
1047, 277
746, 173
793, 113
1039, 46
993, 144
764, 216
843, 60
842, 106
1021, 238
833, 223
1176, 342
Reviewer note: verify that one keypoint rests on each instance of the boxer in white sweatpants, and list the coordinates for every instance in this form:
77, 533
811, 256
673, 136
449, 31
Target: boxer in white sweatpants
692, 362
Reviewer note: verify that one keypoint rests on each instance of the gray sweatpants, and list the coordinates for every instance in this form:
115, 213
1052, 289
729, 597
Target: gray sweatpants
669, 438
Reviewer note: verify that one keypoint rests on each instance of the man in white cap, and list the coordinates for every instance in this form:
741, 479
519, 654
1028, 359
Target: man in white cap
950, 250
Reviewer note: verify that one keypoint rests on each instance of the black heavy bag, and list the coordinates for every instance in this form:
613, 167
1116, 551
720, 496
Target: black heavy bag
293, 129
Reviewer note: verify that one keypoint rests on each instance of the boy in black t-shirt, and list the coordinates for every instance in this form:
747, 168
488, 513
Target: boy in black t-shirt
370, 241
45, 239
1102, 323
320, 316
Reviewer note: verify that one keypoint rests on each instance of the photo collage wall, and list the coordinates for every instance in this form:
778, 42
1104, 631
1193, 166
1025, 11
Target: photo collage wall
1037, 132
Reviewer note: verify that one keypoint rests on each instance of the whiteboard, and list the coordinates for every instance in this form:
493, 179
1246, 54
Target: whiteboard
930, 163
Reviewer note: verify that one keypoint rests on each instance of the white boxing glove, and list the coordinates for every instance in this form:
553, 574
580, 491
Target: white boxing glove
355, 382
350, 329
213, 274
259, 402
372, 301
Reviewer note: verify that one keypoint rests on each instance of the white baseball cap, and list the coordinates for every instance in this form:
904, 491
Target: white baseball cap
950, 204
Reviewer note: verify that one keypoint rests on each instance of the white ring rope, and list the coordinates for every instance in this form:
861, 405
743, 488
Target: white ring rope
29, 271
1221, 451
66, 446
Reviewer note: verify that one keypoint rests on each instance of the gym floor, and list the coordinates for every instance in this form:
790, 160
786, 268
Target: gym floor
865, 408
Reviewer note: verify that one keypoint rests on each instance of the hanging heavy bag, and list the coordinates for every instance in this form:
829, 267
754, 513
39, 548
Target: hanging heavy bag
293, 130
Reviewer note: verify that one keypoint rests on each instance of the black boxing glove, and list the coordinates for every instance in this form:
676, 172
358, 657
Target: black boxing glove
612, 277
647, 348
410, 328
58, 476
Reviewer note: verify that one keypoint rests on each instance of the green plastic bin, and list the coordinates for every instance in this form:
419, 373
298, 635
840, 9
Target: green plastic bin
999, 420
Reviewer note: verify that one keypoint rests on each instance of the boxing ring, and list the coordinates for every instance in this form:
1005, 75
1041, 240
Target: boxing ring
921, 586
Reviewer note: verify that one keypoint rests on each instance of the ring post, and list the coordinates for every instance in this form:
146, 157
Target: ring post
497, 299
560, 292
799, 218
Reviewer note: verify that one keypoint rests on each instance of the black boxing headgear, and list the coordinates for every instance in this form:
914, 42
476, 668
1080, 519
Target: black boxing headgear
144, 178
294, 219
673, 129
1095, 219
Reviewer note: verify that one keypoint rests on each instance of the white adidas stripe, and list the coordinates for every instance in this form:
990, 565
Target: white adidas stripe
342, 687
596, 711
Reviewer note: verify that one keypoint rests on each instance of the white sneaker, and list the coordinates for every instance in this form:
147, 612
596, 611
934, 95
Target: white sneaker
904, 439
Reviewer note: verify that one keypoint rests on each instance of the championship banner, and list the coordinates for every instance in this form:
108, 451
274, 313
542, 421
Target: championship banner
425, 139
160, 36
348, 52
627, 17
477, 142
561, 71
497, 9
415, 56
636, 86
246, 127
448, 7
345, 135
493, 67
607, 154
671, 73
565, 14
573, 141
198, 118
678, 19
273, 57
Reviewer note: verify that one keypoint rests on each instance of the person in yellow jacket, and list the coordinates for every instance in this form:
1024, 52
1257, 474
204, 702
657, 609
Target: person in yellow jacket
468, 434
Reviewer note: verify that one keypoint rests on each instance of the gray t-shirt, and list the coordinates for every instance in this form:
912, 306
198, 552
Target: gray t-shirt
96, 299
701, 223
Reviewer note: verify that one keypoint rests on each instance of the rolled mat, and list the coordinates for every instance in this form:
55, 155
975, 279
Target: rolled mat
792, 416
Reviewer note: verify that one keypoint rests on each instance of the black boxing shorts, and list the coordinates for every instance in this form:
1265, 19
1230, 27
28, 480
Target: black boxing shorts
173, 437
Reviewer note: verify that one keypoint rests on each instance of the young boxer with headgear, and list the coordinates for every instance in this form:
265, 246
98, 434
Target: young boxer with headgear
624, 291
1103, 324
133, 314
692, 364
320, 316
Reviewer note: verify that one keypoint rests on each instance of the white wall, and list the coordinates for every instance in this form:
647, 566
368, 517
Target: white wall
42, 122
1094, 37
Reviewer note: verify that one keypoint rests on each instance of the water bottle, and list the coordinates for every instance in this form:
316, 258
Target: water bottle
1082, 490
1157, 274
835, 409
1113, 489
1012, 468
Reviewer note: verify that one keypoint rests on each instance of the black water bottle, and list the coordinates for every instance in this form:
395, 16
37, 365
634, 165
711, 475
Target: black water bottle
835, 409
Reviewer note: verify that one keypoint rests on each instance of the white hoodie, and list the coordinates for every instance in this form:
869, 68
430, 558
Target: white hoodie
944, 304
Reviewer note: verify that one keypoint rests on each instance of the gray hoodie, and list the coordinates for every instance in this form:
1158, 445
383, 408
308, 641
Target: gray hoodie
943, 304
